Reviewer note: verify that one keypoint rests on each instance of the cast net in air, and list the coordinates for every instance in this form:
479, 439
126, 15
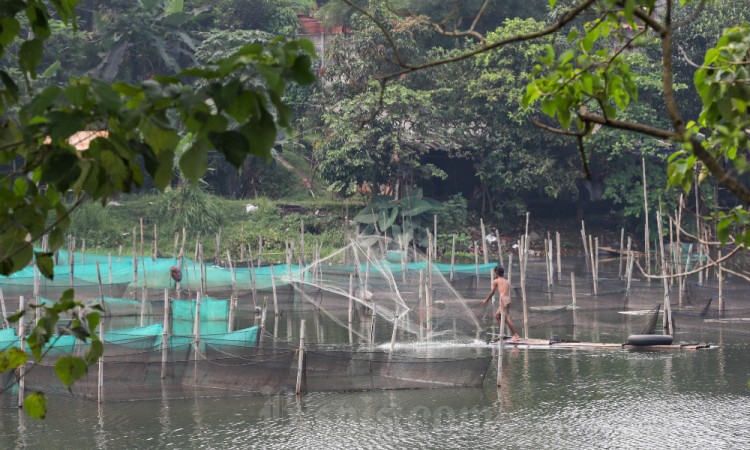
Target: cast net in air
387, 299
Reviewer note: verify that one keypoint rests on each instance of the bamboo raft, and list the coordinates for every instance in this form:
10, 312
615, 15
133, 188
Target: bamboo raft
548, 344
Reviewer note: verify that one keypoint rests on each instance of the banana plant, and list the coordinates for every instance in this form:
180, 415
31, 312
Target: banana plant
408, 218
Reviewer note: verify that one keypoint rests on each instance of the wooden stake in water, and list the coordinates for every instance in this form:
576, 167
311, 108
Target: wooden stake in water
100, 380
176, 244
395, 328
166, 330
421, 302
573, 294
135, 258
596, 266
83, 251
251, 272
217, 246
500, 348
300, 358
71, 260
523, 258
302, 242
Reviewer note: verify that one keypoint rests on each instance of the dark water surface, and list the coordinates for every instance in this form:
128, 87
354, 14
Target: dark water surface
548, 399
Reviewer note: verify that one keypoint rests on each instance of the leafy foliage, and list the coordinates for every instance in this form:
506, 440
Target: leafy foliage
405, 219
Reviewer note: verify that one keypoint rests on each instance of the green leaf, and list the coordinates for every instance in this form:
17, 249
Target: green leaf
70, 369
9, 84
232, 144
35, 405
12, 358
194, 162
94, 352
30, 56
45, 264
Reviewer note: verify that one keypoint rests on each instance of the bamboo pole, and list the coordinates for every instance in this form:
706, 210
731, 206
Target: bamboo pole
646, 232
71, 260
109, 260
593, 266
135, 257
119, 253
500, 348
667, 322
629, 268
141, 252
559, 260
165, 334
622, 248
83, 251
232, 273
550, 268
6, 324
101, 288
522, 258
574, 300
21, 371
510, 266
484, 241
202, 268
583, 237
217, 246
302, 243
100, 378
434, 222
422, 307
273, 289
499, 247
720, 276
143, 305
197, 325
260, 250
176, 244
428, 305
476, 261
351, 306
395, 328
596, 265
301, 358
251, 273
453, 258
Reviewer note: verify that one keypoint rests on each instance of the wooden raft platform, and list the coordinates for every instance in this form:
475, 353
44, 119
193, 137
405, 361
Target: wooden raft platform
546, 343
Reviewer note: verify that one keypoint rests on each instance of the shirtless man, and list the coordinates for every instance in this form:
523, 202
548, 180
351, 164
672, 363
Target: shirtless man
501, 285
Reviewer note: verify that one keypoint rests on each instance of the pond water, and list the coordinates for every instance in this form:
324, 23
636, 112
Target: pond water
547, 399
